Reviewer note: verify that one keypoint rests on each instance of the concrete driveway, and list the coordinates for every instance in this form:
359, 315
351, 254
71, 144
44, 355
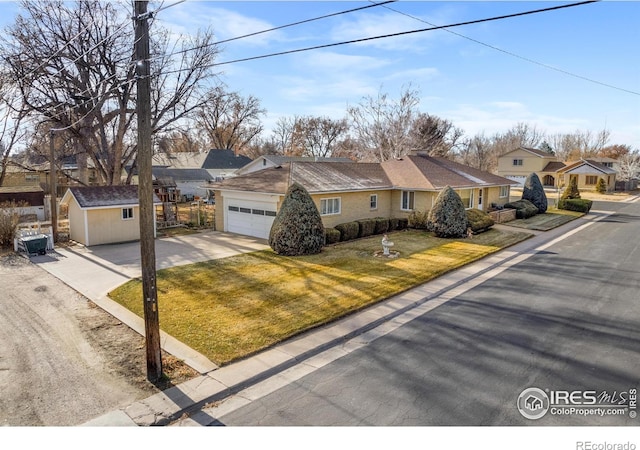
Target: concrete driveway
95, 271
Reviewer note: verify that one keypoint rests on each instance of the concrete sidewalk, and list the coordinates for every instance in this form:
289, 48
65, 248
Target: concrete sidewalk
309, 350
95, 271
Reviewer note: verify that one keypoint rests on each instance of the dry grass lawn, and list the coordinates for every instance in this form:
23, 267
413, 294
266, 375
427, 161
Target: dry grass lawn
544, 222
233, 307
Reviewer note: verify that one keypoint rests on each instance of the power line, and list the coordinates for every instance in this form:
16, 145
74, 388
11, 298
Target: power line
515, 55
300, 22
401, 33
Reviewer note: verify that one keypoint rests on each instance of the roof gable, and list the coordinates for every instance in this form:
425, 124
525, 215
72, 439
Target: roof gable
597, 167
532, 151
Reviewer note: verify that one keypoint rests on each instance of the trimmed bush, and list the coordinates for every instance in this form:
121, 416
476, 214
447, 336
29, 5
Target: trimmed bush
348, 231
331, 236
393, 224
575, 204
403, 223
572, 190
479, 221
419, 220
524, 208
297, 229
382, 225
448, 217
8, 223
601, 186
366, 227
534, 192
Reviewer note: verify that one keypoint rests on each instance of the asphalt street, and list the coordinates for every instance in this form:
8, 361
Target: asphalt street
565, 319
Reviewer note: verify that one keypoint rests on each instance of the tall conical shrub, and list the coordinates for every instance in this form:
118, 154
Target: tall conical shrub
572, 190
448, 217
297, 229
534, 192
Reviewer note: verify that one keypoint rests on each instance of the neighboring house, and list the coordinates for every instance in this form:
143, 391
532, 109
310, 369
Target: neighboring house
31, 199
220, 163
517, 164
18, 175
104, 214
189, 182
247, 204
267, 161
587, 172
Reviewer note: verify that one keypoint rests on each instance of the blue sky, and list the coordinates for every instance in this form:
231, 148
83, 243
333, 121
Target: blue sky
474, 86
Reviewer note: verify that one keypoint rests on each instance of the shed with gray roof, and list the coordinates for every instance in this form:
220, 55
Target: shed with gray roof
104, 214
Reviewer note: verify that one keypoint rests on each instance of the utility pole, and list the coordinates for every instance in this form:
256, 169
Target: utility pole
53, 187
145, 194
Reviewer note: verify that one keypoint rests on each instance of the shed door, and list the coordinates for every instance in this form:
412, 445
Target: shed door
251, 218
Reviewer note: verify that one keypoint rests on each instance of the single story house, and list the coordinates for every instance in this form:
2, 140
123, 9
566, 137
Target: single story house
247, 204
220, 163
587, 172
104, 214
30, 200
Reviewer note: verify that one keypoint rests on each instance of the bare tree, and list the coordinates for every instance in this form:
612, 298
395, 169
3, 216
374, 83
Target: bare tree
579, 144
437, 136
477, 152
179, 141
284, 137
12, 114
319, 136
628, 166
73, 65
229, 120
382, 125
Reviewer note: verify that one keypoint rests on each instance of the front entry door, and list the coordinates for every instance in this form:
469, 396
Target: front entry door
480, 199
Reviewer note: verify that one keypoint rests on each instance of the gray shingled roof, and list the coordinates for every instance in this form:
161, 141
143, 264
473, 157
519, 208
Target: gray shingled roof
182, 174
101, 196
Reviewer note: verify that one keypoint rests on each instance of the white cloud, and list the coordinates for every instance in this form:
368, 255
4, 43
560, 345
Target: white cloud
497, 117
186, 18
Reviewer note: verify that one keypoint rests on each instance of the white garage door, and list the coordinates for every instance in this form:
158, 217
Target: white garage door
518, 178
250, 218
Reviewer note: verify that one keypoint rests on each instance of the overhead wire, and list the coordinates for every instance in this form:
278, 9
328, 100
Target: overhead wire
403, 33
280, 27
515, 55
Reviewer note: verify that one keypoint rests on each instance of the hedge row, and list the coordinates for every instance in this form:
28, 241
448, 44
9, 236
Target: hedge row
362, 228
575, 204
478, 220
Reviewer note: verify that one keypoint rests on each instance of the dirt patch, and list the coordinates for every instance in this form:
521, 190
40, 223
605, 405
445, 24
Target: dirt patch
64, 360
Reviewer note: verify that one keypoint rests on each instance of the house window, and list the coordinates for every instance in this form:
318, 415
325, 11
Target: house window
466, 195
408, 200
592, 179
504, 191
373, 201
127, 213
31, 177
517, 162
329, 206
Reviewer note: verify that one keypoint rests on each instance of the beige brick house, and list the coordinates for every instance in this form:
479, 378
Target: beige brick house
343, 192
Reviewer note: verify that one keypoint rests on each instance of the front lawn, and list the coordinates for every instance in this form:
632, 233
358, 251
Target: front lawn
230, 308
544, 222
